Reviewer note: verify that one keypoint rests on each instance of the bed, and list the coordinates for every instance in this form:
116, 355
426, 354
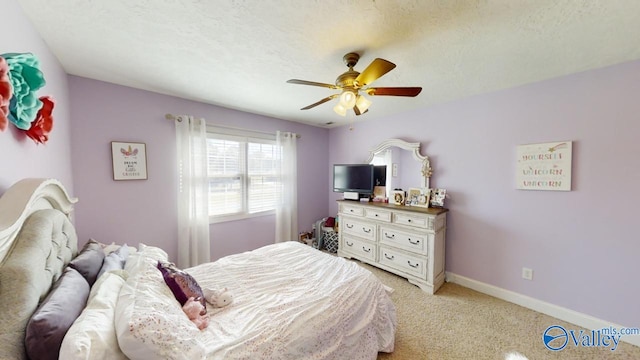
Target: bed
290, 301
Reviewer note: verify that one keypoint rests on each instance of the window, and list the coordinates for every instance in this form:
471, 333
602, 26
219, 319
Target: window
242, 173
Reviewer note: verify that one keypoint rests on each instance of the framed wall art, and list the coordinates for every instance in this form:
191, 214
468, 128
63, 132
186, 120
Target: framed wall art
129, 160
544, 166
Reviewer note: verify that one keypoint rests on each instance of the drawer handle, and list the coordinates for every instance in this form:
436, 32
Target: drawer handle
365, 249
366, 230
350, 210
408, 220
413, 266
350, 226
414, 243
389, 257
389, 237
348, 243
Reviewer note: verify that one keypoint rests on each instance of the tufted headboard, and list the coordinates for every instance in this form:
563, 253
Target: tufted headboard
37, 240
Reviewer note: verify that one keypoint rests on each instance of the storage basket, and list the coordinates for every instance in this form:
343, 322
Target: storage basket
330, 240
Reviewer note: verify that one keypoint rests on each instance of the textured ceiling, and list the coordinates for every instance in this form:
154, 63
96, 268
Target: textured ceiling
238, 54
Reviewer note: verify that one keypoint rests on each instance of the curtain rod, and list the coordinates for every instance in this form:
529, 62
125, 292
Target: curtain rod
173, 117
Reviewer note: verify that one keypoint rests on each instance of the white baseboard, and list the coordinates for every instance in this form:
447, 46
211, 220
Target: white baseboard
546, 308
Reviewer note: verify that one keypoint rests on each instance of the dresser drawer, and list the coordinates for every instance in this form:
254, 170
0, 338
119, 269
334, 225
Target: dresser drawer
413, 220
414, 265
407, 240
377, 214
359, 248
358, 228
351, 210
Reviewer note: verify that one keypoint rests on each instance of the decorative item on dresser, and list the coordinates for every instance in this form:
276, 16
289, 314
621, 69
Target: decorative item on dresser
407, 241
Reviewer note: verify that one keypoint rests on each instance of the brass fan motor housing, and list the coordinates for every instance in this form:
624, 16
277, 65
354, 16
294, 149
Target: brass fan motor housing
347, 79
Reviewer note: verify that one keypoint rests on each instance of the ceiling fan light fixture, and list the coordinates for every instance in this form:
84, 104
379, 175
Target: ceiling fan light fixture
362, 103
340, 110
353, 85
348, 99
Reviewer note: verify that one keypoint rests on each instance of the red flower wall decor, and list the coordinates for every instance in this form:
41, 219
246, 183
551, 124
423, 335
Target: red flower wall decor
5, 93
42, 125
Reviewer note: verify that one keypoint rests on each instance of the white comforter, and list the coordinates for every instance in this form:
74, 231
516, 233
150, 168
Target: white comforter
290, 302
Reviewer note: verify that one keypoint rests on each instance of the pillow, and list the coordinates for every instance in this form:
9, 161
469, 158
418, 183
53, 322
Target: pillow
123, 252
115, 260
108, 249
93, 334
134, 261
154, 252
50, 322
182, 285
89, 261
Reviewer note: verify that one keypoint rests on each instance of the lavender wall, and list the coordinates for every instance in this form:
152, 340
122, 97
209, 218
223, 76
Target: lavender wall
583, 245
145, 210
20, 156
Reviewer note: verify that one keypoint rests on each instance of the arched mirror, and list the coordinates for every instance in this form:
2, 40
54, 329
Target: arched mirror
406, 167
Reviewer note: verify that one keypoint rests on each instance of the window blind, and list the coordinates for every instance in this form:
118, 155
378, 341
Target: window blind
242, 174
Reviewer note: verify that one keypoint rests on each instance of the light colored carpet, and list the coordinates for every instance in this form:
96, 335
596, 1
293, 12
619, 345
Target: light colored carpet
459, 323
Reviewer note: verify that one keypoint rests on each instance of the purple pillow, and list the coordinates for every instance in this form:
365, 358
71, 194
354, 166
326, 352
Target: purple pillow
55, 315
182, 285
89, 261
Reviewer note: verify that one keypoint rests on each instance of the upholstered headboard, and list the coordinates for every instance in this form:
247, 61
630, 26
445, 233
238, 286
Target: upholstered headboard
37, 240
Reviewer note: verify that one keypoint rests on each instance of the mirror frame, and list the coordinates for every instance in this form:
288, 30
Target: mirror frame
425, 169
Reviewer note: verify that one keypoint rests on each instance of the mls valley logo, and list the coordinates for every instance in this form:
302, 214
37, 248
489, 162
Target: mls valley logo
556, 337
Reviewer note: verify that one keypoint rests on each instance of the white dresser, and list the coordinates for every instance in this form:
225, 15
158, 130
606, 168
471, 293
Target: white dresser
407, 241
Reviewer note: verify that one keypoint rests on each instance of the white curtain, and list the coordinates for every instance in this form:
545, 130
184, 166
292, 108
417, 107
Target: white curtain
193, 192
287, 205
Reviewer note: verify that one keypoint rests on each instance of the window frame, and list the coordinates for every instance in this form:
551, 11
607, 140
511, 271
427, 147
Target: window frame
246, 135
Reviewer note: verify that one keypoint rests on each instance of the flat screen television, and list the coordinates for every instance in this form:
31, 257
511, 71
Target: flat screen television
353, 178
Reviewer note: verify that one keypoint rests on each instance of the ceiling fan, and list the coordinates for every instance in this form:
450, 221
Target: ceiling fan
353, 85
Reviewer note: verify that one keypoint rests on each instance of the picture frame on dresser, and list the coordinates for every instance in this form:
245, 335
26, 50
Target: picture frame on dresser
412, 196
379, 192
423, 198
398, 197
437, 197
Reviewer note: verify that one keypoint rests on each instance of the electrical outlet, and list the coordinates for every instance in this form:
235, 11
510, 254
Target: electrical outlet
527, 273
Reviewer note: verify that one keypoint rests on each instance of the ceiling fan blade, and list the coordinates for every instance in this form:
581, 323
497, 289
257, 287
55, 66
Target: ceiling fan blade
375, 70
394, 91
321, 102
312, 83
